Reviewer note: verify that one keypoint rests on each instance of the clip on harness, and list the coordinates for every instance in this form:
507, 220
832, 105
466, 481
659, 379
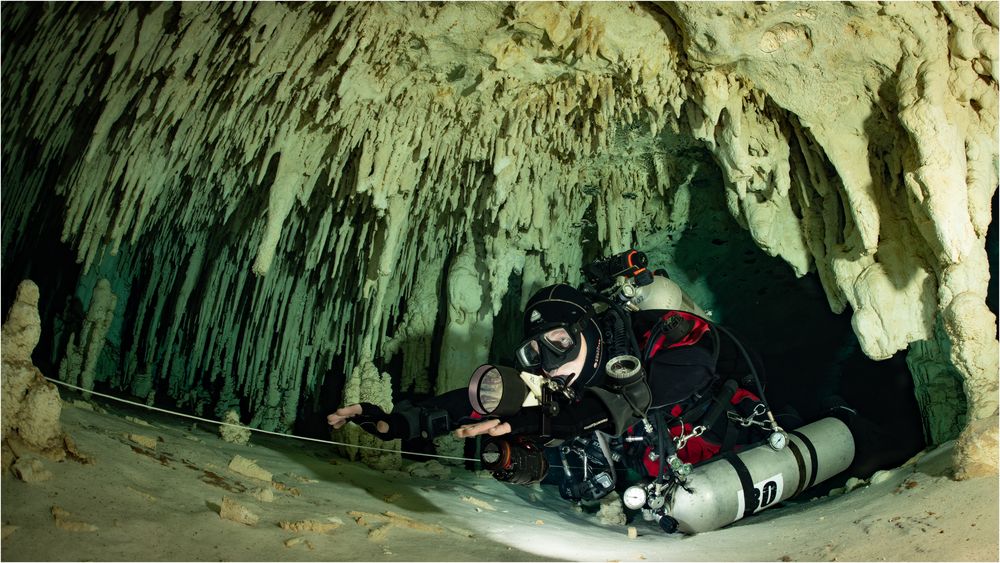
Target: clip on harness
713, 407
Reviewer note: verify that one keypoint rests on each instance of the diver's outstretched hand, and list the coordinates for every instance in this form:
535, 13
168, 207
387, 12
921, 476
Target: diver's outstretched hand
340, 416
526, 421
369, 417
493, 427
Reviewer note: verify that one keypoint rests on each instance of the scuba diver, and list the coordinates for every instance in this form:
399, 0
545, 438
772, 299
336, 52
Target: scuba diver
624, 376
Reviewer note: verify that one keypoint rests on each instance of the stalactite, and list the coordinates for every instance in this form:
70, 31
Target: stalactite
84, 349
469, 326
900, 256
284, 182
938, 388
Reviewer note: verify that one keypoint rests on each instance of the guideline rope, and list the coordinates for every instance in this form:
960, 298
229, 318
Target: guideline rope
152, 408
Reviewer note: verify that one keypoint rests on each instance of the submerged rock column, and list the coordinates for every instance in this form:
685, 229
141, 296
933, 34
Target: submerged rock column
31, 405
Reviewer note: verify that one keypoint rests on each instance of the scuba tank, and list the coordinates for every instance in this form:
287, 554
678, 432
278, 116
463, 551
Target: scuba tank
729, 486
625, 278
732, 486
660, 293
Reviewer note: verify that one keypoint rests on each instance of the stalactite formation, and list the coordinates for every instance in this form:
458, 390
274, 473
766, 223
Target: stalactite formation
278, 194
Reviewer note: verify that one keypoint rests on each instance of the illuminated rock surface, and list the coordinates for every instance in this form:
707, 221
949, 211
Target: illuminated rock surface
296, 202
31, 405
172, 505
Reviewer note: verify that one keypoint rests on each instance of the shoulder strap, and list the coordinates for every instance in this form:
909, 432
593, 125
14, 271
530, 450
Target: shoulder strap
679, 328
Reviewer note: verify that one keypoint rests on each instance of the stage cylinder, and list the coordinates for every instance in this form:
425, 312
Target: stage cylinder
732, 486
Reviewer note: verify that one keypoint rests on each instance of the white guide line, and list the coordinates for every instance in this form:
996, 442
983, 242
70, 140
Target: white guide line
112, 397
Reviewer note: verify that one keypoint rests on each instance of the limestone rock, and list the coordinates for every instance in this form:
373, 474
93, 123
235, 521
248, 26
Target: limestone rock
84, 405
31, 405
309, 526
249, 468
138, 421
469, 328
31, 470
84, 349
232, 510
23, 327
854, 140
232, 431
432, 469
263, 494
611, 512
366, 384
39, 416
292, 542
479, 504
976, 450
65, 520
144, 441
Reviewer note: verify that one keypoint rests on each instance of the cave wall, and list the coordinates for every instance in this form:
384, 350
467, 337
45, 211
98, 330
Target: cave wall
897, 122
281, 195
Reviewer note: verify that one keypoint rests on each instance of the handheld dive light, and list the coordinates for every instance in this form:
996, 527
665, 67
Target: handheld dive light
503, 391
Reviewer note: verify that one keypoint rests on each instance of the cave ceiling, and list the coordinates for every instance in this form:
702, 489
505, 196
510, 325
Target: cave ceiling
276, 192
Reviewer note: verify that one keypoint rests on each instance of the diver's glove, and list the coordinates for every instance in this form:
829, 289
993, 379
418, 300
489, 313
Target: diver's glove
371, 415
406, 421
525, 421
572, 420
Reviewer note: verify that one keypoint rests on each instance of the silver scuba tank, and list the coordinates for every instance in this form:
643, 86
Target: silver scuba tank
661, 293
734, 486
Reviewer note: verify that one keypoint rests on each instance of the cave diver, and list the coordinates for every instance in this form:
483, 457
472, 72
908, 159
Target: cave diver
623, 376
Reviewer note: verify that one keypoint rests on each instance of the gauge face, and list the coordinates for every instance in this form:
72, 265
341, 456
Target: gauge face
777, 440
634, 497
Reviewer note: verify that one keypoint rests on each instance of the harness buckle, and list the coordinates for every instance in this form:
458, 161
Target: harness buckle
682, 438
758, 410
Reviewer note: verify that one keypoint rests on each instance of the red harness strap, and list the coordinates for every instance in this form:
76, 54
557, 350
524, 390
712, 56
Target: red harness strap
692, 337
697, 448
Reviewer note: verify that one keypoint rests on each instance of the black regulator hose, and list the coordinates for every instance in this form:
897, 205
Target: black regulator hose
753, 370
618, 336
623, 337
622, 318
661, 449
664, 445
716, 344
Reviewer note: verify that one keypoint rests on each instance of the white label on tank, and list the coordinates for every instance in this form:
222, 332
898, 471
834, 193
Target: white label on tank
767, 491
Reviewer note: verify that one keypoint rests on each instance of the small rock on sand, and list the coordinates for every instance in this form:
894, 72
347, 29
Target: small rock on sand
248, 468
232, 510
30, 470
63, 521
309, 526
432, 469
263, 495
478, 503
611, 512
144, 441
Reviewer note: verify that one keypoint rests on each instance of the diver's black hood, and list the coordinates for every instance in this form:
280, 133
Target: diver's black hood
566, 304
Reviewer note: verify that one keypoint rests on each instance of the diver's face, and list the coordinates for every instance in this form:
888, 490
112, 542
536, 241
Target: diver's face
571, 369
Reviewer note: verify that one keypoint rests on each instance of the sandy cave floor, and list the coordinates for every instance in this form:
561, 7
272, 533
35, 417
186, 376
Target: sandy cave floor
137, 503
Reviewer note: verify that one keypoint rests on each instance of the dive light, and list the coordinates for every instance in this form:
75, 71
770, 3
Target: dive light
503, 391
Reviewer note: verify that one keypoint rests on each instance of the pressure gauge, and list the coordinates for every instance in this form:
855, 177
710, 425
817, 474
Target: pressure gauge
777, 441
634, 497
